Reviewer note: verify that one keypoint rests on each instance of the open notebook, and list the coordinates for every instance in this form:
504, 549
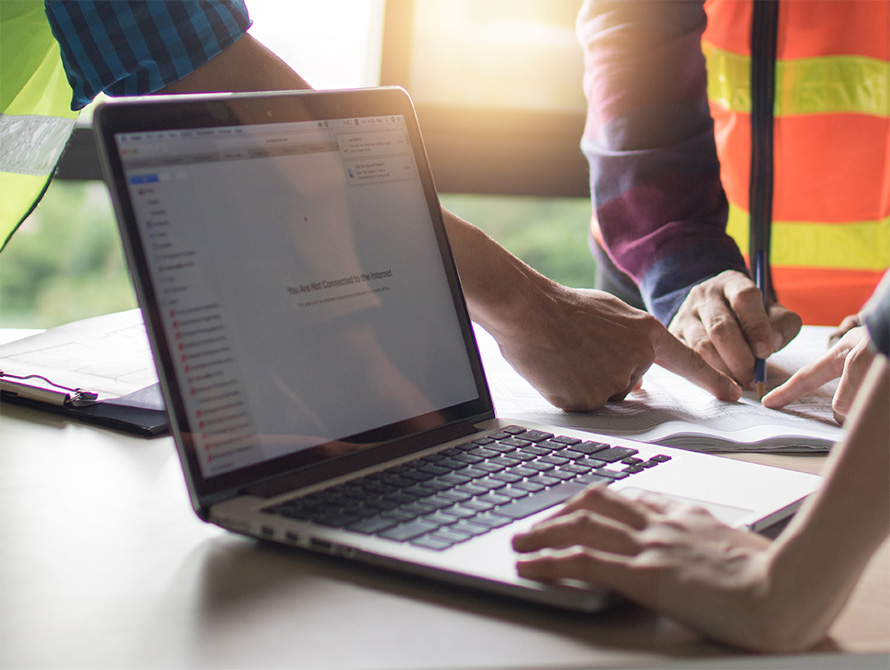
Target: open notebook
671, 410
312, 342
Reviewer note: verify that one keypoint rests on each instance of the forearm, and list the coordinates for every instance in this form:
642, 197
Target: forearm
247, 65
818, 559
499, 289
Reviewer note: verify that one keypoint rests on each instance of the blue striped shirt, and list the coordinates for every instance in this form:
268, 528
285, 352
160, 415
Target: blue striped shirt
135, 47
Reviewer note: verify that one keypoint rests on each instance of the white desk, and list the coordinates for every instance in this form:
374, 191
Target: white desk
104, 565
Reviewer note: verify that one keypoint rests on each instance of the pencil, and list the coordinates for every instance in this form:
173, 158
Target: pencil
760, 195
760, 377
760, 275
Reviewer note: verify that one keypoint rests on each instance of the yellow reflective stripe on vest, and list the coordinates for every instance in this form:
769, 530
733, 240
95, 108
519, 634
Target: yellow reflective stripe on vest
829, 84
859, 245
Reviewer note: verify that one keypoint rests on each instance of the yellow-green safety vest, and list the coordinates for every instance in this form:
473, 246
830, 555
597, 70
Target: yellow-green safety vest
36, 119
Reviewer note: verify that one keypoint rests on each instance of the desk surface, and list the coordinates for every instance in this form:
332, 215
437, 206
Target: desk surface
104, 565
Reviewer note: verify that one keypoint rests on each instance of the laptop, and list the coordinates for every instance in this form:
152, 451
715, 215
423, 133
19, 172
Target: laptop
319, 368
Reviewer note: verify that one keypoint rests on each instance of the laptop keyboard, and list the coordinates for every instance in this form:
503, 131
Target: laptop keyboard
446, 498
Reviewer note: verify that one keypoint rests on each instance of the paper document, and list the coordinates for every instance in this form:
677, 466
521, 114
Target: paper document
108, 355
673, 411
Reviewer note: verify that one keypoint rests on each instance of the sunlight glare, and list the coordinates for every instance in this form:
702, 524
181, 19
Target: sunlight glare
332, 44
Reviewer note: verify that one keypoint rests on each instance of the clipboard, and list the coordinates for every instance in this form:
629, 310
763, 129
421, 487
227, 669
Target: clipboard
97, 371
82, 405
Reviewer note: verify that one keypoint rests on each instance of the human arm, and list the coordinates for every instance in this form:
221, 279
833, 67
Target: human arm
733, 585
579, 348
247, 65
655, 179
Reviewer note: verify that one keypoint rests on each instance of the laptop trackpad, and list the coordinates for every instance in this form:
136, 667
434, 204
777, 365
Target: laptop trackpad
732, 516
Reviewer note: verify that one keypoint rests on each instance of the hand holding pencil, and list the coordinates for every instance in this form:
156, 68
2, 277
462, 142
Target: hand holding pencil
727, 321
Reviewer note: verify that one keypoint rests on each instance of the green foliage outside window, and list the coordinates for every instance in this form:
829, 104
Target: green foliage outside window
65, 262
550, 234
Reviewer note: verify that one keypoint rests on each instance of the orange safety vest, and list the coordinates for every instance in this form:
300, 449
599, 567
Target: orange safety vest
830, 233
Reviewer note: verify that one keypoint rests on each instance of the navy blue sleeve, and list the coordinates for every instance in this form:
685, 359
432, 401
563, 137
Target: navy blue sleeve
876, 316
649, 140
133, 47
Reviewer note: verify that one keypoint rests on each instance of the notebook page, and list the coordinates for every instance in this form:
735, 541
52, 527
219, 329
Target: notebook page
671, 410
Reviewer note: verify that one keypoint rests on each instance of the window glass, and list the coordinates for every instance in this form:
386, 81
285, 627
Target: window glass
550, 234
332, 44
520, 54
66, 263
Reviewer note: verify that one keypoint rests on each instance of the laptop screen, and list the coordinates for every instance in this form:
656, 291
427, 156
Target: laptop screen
305, 296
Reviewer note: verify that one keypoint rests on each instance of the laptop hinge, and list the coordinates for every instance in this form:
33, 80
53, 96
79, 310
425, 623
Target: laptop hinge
358, 461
